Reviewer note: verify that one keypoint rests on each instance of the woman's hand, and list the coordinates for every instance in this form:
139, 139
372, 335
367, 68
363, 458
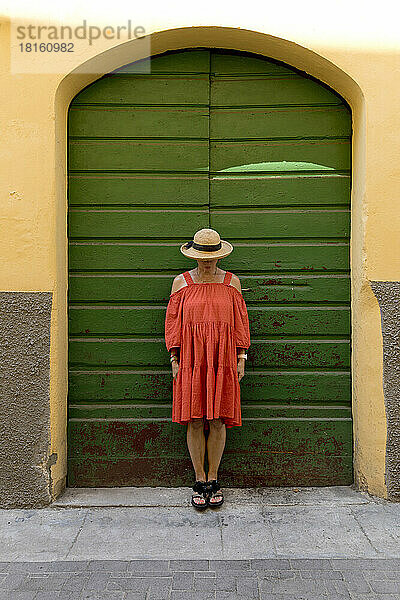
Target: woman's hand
241, 363
175, 368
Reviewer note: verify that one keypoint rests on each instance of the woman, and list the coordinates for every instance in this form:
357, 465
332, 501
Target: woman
207, 334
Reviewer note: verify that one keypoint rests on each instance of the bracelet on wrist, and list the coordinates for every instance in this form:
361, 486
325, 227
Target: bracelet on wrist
173, 358
242, 356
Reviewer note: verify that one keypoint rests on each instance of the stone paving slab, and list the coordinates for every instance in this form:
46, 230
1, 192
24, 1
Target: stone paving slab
157, 523
258, 579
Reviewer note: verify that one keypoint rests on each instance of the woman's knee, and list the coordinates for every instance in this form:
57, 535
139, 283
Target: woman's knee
196, 424
216, 424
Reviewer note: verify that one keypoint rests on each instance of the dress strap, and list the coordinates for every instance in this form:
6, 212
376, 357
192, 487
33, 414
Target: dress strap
188, 278
228, 277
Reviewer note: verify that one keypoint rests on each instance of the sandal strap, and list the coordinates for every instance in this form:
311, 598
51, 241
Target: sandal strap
199, 486
213, 486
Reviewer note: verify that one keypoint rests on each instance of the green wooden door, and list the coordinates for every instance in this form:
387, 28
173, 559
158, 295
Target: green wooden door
261, 153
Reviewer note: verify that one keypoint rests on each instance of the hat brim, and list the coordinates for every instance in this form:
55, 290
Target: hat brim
226, 248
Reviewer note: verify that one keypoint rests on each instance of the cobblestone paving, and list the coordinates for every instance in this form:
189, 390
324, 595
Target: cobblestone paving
262, 579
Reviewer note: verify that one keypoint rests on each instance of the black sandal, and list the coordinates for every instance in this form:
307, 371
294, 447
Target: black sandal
199, 486
211, 488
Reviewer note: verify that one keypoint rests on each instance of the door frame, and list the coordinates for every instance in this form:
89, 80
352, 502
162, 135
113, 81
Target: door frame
368, 466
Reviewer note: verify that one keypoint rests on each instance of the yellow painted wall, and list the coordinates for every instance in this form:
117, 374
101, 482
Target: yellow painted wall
33, 218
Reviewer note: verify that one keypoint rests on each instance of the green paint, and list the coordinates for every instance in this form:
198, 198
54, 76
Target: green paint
262, 154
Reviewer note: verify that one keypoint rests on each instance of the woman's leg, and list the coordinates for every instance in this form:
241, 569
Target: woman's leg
215, 447
196, 442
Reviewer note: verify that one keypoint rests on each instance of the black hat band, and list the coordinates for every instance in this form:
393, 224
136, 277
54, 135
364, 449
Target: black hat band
203, 247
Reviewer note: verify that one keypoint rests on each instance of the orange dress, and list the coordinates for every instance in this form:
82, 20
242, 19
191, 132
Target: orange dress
208, 321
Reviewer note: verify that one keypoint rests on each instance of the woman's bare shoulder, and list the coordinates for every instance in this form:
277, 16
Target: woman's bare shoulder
178, 283
235, 281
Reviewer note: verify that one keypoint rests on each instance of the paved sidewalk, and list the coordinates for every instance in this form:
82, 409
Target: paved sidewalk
262, 579
149, 543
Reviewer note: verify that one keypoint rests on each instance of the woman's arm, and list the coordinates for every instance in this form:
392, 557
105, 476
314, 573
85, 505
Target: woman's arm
241, 362
240, 350
177, 284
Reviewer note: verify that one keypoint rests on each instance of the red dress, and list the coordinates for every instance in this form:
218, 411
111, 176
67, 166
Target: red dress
208, 321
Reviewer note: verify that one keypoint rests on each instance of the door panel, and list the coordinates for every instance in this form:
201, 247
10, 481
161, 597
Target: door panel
261, 153
280, 186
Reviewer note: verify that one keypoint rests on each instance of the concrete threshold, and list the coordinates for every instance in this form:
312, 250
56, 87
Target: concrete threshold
176, 497
159, 523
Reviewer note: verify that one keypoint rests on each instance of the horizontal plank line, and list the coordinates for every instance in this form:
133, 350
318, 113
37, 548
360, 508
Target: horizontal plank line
207, 106
168, 274
256, 340
164, 419
239, 140
213, 110
132, 206
147, 207
199, 172
115, 138
153, 306
218, 210
148, 106
333, 273
109, 242
286, 108
260, 406
334, 174
200, 105
116, 370
262, 140
147, 141
337, 207
161, 209
252, 305
204, 174
104, 174
298, 141
160, 108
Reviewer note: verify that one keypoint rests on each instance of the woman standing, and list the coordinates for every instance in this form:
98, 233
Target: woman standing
207, 334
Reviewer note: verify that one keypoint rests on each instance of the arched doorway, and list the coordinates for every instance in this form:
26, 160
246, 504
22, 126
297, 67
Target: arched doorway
260, 152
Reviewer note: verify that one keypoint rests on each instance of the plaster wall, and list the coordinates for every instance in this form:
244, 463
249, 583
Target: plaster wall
33, 208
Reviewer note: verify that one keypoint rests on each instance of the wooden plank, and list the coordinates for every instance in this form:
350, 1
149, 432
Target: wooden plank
123, 223
258, 90
147, 352
283, 223
231, 63
190, 61
156, 287
138, 439
248, 156
279, 190
155, 385
146, 90
273, 257
138, 189
138, 155
288, 122
255, 470
264, 320
123, 122
163, 410
147, 223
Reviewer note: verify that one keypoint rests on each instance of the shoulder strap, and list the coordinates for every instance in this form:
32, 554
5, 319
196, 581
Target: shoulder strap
188, 278
228, 277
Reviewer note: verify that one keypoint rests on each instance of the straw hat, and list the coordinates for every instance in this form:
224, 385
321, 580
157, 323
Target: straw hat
206, 244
